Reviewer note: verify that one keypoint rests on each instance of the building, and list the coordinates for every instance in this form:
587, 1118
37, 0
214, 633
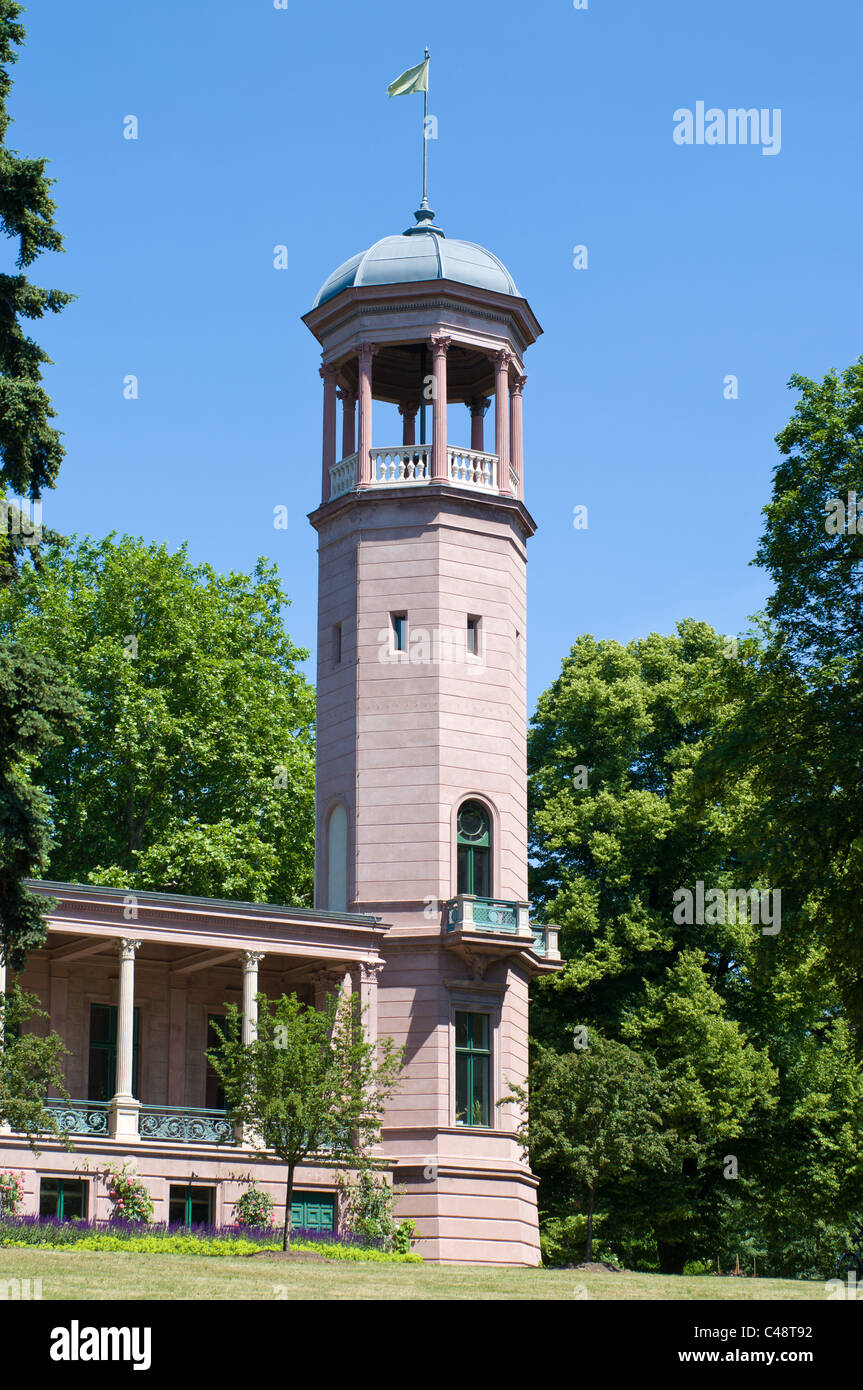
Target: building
421, 872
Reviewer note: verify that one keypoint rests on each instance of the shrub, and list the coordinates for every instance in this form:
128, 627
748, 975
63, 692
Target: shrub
11, 1192
366, 1206
254, 1207
132, 1201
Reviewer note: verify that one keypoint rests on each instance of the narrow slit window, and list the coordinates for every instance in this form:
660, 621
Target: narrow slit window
337, 643
400, 631
472, 644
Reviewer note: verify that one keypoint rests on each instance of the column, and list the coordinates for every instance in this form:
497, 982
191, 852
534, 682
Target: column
368, 972
364, 400
251, 961
349, 421
124, 1108
477, 407
409, 423
502, 360
439, 459
516, 433
329, 375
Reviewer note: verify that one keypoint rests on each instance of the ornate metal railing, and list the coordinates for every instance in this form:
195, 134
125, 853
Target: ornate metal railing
81, 1116
470, 468
409, 463
183, 1125
481, 914
343, 476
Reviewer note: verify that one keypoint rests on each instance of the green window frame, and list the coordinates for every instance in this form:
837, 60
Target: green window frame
473, 850
102, 1054
400, 631
191, 1206
473, 1069
65, 1198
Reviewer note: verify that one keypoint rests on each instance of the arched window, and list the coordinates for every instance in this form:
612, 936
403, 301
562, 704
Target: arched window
473, 842
337, 860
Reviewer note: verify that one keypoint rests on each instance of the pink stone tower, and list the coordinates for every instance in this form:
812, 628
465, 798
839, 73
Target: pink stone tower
421, 781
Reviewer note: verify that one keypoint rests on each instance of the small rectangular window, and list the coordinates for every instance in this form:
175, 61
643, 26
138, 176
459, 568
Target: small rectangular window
65, 1198
472, 643
190, 1206
400, 631
337, 643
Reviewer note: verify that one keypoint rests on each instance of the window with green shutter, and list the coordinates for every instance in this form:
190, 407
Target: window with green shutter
473, 844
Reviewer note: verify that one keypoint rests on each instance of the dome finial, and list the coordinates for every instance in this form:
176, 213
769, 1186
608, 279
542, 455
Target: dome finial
425, 221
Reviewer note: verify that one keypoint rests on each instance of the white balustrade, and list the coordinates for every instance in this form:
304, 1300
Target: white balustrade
343, 476
409, 463
469, 468
513, 480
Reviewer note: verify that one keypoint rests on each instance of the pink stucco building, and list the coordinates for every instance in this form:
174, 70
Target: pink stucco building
421, 872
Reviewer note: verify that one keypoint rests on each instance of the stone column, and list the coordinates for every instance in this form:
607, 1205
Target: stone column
439, 468
516, 433
251, 961
502, 360
364, 400
409, 426
368, 972
477, 407
349, 421
330, 375
124, 1109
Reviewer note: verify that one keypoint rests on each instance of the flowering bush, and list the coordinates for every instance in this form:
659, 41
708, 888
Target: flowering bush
11, 1191
132, 1201
254, 1207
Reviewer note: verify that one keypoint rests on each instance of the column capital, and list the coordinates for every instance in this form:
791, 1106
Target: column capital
409, 408
518, 384
328, 372
502, 358
127, 947
367, 351
252, 959
478, 405
370, 970
344, 394
439, 344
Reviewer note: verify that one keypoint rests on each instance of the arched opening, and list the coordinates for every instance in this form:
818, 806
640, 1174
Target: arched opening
337, 860
473, 846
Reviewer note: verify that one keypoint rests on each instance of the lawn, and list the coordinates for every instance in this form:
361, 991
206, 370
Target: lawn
93, 1275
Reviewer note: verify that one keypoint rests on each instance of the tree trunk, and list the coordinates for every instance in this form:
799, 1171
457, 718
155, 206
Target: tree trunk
588, 1253
672, 1256
289, 1197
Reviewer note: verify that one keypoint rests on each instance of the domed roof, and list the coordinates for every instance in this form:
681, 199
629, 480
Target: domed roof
421, 253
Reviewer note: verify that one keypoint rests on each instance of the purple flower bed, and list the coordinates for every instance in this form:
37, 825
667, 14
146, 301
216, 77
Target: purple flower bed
50, 1230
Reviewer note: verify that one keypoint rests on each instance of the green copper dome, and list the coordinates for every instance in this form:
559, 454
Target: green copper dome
421, 253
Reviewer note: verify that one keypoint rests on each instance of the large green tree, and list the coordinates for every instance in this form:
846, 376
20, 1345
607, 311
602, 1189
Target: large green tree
195, 772
37, 702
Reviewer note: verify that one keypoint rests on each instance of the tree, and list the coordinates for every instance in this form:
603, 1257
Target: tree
593, 1114
195, 773
36, 700
308, 1083
37, 709
30, 1066
793, 704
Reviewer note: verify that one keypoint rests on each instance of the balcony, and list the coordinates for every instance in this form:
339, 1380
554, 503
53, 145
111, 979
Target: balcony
468, 913
410, 466
171, 1123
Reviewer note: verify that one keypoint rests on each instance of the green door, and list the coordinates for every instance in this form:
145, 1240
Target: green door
312, 1211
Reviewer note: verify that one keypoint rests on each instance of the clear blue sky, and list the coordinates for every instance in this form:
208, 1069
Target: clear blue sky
261, 126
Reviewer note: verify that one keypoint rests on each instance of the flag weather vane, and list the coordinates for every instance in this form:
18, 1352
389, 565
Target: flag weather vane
417, 80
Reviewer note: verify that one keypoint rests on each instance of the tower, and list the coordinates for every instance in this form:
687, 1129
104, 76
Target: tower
421, 780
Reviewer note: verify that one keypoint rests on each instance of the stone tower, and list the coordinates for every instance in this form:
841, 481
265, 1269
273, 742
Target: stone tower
421, 778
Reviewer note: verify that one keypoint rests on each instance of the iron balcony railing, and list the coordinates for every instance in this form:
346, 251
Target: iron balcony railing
80, 1116
467, 912
183, 1124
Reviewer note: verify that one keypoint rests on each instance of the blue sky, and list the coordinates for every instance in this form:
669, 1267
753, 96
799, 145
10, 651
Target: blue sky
261, 126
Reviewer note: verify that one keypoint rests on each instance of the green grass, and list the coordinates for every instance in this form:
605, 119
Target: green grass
89, 1275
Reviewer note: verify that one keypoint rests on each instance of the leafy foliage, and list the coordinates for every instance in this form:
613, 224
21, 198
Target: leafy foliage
30, 1066
195, 773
